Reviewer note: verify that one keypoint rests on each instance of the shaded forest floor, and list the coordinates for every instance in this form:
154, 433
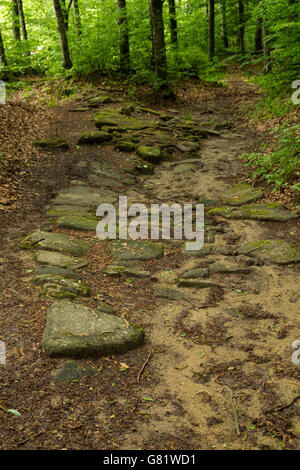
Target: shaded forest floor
235, 338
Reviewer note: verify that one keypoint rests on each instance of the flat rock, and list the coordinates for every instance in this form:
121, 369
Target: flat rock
52, 143
78, 331
195, 273
78, 222
221, 268
101, 181
60, 287
188, 146
113, 118
135, 249
184, 168
206, 250
273, 212
241, 194
65, 210
73, 371
272, 251
198, 284
144, 168
125, 146
105, 308
94, 137
167, 293
53, 258
55, 242
150, 154
57, 271
96, 101
85, 196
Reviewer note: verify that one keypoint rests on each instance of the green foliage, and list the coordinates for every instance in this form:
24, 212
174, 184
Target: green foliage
282, 166
97, 48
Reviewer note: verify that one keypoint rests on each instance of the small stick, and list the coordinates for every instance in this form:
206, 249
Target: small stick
143, 367
233, 404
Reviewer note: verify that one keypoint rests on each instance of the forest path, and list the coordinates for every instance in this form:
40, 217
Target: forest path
218, 321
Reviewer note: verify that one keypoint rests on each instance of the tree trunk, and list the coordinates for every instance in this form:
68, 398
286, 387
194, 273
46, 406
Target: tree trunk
65, 12
77, 17
259, 37
15, 20
124, 38
22, 19
66, 59
3, 60
224, 24
241, 26
211, 29
267, 50
173, 23
159, 46
151, 35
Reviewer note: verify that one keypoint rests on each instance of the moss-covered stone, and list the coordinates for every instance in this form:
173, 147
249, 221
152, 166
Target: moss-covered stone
167, 293
57, 271
271, 251
188, 146
99, 100
94, 137
198, 283
241, 194
78, 222
78, 331
100, 181
105, 308
184, 168
72, 371
144, 168
198, 253
55, 242
53, 258
135, 249
125, 146
85, 196
65, 210
52, 143
60, 287
114, 270
113, 118
150, 154
272, 212
222, 269
195, 273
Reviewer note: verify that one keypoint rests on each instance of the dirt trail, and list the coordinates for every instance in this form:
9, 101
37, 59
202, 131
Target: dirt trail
200, 349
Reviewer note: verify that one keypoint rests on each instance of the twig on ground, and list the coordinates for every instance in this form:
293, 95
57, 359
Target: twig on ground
143, 367
233, 400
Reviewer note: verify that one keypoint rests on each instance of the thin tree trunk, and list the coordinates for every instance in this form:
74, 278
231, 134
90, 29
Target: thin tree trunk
211, 29
77, 17
151, 35
173, 23
3, 60
66, 59
241, 26
224, 24
267, 50
65, 12
159, 45
259, 37
124, 38
15, 20
22, 19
